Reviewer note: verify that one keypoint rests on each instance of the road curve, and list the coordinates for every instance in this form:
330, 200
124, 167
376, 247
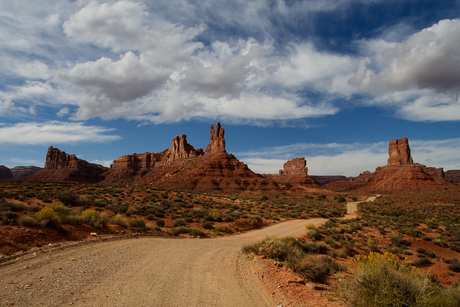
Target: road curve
144, 272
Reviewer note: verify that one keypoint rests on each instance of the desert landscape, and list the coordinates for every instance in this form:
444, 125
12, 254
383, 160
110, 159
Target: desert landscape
196, 227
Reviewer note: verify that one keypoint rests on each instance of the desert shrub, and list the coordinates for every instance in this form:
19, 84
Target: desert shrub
27, 221
399, 241
23, 246
179, 222
276, 249
152, 228
160, 223
420, 250
207, 225
138, 223
100, 202
6, 251
119, 220
222, 229
321, 197
313, 269
68, 198
94, 218
193, 231
341, 199
454, 266
313, 234
381, 281
421, 262
48, 217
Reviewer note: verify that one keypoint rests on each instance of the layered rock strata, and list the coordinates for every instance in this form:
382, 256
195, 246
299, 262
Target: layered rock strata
184, 167
294, 172
24, 171
402, 174
63, 167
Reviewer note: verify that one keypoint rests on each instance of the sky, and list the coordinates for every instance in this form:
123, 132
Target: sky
329, 80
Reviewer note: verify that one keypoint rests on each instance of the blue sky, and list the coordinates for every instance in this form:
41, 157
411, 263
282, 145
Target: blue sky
332, 81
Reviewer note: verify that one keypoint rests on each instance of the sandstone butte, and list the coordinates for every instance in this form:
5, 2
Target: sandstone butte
184, 167
62, 167
294, 172
181, 166
401, 173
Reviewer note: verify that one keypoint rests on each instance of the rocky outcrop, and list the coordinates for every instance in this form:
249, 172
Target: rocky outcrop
184, 167
63, 167
453, 176
402, 174
5, 173
362, 177
217, 144
20, 172
399, 152
294, 172
322, 180
294, 167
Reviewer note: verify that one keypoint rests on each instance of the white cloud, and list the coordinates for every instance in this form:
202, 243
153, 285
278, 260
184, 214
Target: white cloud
63, 112
419, 76
53, 132
6, 105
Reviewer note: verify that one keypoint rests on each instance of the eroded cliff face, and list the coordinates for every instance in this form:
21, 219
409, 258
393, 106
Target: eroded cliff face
399, 152
63, 167
217, 144
184, 167
401, 173
294, 172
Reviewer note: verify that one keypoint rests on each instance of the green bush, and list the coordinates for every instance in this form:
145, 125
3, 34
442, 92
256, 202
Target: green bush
179, 222
381, 281
160, 223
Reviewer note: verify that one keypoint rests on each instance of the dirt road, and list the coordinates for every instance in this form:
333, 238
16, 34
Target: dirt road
143, 272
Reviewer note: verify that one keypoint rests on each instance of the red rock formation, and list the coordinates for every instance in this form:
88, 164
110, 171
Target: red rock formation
217, 140
453, 176
62, 167
294, 172
24, 171
5, 173
183, 167
402, 174
399, 152
294, 167
362, 177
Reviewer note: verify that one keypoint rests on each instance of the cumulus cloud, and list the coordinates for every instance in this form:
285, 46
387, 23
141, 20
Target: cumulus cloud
6, 105
419, 76
165, 76
33, 133
429, 59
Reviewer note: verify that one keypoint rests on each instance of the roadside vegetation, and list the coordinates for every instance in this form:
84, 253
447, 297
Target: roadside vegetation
109, 209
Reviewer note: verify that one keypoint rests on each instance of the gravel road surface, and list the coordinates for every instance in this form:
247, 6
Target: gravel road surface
143, 272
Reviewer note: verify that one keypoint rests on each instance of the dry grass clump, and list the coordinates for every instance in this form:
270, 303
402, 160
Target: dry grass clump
382, 281
294, 253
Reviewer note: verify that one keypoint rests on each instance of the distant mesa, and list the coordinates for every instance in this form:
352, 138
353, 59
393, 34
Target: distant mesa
402, 174
5, 173
20, 172
62, 167
295, 172
181, 166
